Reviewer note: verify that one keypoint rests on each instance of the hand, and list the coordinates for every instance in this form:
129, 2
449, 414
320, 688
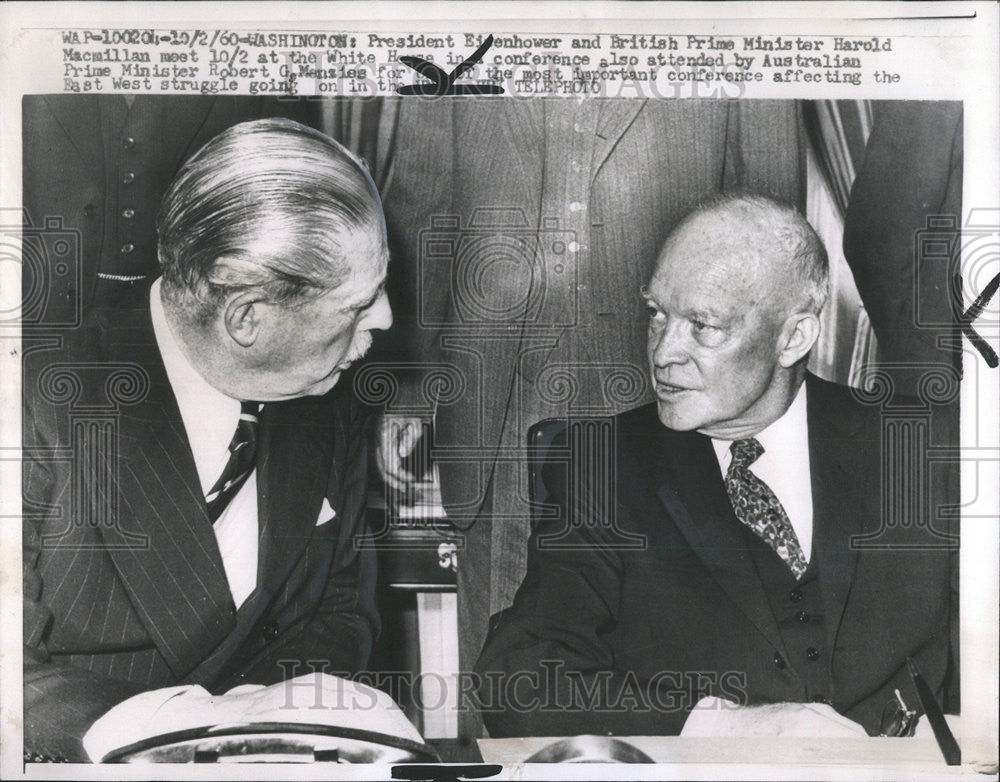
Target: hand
397, 437
716, 717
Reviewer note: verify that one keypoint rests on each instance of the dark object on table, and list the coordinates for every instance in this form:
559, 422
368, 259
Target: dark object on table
949, 747
274, 742
898, 720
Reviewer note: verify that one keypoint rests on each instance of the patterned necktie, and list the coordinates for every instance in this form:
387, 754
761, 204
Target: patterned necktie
758, 508
242, 460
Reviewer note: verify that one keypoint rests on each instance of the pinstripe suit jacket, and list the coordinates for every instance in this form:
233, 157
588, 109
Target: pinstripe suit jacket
124, 587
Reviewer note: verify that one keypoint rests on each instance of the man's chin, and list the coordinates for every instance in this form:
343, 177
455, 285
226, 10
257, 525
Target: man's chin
325, 385
675, 419
321, 387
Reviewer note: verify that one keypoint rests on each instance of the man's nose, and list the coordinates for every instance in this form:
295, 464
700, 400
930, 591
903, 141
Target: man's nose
669, 347
379, 314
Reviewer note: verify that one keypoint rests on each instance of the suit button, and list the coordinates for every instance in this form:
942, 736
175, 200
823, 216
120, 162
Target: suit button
90, 211
128, 177
812, 653
779, 661
128, 213
128, 142
802, 617
818, 698
796, 595
269, 630
127, 248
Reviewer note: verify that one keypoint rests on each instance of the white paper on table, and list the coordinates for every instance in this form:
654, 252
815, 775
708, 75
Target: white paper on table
314, 698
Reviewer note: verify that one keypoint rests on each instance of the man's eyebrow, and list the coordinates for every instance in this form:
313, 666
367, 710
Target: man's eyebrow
705, 313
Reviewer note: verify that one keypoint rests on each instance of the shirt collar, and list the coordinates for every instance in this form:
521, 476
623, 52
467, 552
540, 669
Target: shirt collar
783, 435
209, 416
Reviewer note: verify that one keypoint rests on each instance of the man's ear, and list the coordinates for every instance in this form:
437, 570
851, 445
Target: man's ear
798, 336
243, 317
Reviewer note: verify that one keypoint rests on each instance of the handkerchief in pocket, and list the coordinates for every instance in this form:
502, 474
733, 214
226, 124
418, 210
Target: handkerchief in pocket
326, 513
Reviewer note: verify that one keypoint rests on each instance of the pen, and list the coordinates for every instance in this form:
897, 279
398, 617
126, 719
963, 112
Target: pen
946, 741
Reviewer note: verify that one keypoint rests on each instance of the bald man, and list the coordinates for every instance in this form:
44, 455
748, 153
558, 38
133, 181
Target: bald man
714, 551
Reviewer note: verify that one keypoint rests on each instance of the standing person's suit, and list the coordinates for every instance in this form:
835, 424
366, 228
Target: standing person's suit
526, 229
121, 601
901, 234
97, 166
659, 596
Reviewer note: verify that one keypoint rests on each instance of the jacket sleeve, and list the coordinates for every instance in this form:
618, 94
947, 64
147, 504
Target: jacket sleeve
912, 172
547, 668
60, 701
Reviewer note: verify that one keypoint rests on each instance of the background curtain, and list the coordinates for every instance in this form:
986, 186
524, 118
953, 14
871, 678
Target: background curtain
837, 132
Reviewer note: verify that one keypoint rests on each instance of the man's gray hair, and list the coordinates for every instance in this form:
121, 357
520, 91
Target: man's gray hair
791, 231
284, 205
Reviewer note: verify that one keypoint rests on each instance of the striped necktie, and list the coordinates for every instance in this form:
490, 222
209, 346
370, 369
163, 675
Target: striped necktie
758, 508
242, 461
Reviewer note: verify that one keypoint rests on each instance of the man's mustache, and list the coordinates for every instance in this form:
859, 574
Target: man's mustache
361, 345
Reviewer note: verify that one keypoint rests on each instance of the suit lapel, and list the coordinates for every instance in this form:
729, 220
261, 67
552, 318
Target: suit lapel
689, 484
294, 468
175, 577
842, 490
615, 118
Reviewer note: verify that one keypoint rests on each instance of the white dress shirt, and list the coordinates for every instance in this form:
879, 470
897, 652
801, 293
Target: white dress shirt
210, 419
784, 466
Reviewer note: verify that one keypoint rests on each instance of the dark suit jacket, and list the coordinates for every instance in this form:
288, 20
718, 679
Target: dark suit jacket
641, 165
74, 167
903, 267
661, 596
124, 587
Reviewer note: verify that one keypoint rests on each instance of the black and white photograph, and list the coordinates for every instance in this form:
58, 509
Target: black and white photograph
421, 408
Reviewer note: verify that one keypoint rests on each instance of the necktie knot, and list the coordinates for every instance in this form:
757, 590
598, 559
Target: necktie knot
745, 452
242, 460
246, 428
